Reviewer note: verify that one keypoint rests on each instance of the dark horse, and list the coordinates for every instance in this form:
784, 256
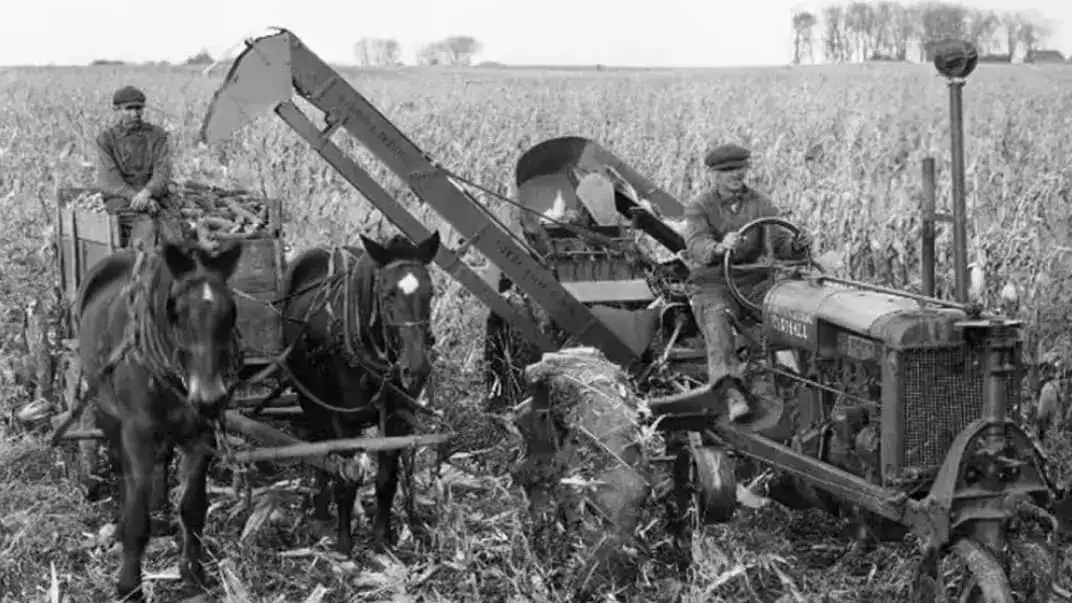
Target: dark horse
175, 311
353, 316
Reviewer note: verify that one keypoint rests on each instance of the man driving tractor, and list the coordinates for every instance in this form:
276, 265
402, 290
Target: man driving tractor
710, 231
133, 169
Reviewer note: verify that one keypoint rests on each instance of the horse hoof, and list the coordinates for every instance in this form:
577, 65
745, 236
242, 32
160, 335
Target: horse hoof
344, 546
382, 540
193, 575
159, 526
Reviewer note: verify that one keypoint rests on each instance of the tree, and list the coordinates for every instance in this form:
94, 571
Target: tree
982, 28
803, 34
378, 52
834, 47
906, 29
455, 51
1034, 31
201, 58
883, 29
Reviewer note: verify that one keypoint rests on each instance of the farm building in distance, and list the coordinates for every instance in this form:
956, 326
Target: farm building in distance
1045, 56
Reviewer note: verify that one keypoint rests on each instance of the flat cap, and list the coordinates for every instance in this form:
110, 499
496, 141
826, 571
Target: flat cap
128, 95
727, 157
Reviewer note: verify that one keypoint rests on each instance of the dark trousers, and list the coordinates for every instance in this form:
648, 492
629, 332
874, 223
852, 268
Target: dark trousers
713, 306
152, 231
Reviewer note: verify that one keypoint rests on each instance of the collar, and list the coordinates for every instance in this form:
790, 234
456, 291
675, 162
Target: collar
123, 128
738, 197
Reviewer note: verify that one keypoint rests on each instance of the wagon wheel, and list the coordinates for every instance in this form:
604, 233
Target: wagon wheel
970, 573
765, 264
86, 460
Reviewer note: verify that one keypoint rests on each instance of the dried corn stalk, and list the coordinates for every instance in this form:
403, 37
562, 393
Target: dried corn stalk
588, 472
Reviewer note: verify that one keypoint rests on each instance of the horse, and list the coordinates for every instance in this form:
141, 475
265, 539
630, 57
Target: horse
375, 323
156, 337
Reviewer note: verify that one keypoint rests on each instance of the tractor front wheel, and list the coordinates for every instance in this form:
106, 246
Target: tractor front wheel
707, 480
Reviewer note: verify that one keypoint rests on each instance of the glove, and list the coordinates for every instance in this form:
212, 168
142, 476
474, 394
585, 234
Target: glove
731, 242
141, 200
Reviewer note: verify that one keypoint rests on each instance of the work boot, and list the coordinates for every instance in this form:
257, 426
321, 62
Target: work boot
738, 404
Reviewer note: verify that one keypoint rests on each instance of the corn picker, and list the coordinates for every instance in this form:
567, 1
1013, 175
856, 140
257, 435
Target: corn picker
893, 407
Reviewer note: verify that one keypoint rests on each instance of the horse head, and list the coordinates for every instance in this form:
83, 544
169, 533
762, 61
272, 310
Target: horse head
201, 314
404, 295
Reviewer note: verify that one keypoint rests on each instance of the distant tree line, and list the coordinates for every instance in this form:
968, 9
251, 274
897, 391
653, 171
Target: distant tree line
453, 51
891, 31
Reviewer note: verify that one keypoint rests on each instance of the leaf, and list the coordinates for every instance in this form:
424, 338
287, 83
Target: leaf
317, 596
261, 512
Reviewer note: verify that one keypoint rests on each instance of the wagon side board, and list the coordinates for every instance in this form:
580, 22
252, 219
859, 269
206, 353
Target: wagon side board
86, 237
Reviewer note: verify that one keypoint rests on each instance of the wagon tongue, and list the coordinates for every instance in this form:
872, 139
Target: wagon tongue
259, 79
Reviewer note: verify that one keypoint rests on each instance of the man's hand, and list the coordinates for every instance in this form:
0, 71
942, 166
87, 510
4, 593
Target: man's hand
142, 201
731, 242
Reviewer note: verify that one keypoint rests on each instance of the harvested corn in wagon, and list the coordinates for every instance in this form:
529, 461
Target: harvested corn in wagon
213, 212
588, 471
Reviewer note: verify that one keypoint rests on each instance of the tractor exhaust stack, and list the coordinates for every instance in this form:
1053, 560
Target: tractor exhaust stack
955, 60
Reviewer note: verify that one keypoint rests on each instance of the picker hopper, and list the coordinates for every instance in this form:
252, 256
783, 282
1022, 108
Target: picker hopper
569, 187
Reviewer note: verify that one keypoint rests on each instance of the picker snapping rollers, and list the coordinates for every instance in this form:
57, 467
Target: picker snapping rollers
134, 172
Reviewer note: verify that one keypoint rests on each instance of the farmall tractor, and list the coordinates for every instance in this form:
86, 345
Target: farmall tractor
895, 409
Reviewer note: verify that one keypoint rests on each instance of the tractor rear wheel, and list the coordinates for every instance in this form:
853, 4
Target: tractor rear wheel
1025, 571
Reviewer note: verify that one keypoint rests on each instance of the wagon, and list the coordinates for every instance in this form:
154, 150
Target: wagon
84, 236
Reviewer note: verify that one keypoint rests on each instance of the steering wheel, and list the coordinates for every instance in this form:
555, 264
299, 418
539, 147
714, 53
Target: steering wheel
767, 263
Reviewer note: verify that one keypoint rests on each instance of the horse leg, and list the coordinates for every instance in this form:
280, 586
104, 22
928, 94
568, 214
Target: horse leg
345, 492
137, 451
193, 507
160, 522
321, 498
387, 482
314, 432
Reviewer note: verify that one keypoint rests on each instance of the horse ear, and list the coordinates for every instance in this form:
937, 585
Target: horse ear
376, 251
224, 261
178, 259
428, 248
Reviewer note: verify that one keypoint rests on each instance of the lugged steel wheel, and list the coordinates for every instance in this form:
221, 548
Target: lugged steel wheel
970, 573
712, 481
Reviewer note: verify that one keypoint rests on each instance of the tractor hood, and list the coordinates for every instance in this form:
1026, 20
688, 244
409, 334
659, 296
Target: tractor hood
817, 315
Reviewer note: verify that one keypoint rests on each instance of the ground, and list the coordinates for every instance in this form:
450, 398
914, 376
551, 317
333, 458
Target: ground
838, 147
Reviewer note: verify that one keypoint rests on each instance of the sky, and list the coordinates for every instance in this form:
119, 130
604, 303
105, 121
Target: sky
683, 33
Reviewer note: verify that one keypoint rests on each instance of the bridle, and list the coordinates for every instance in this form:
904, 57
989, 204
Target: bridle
385, 358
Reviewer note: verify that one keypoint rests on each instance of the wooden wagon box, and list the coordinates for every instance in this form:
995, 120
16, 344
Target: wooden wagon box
85, 237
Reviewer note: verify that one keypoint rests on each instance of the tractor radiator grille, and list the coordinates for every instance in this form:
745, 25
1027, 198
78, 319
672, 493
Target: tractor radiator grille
943, 392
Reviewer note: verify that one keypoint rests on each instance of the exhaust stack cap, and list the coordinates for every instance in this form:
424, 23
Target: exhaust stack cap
955, 58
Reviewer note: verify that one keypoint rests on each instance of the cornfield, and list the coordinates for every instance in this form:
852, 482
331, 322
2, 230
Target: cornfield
839, 148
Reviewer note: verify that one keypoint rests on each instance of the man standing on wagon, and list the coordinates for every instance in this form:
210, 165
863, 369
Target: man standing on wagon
133, 170
711, 225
